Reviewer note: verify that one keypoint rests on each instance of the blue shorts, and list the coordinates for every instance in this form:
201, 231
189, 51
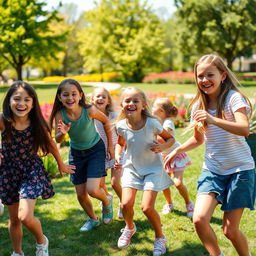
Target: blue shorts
90, 163
234, 191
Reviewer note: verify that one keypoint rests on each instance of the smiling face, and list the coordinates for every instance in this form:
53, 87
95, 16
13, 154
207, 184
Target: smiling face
21, 103
100, 99
209, 79
70, 96
132, 103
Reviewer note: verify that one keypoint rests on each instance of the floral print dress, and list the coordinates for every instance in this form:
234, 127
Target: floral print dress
22, 174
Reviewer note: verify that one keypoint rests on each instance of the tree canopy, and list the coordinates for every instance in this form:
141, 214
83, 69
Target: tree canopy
227, 27
124, 36
25, 32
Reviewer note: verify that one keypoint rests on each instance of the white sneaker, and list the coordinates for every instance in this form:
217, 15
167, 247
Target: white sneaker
17, 254
42, 249
1, 208
125, 239
190, 209
159, 246
167, 208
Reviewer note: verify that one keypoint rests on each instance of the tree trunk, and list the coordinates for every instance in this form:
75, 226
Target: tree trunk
18, 69
230, 60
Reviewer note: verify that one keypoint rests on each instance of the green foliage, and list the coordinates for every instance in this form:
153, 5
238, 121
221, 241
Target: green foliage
25, 32
225, 27
123, 36
50, 165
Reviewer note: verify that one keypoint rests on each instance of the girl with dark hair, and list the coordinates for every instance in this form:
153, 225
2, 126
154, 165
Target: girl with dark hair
87, 150
23, 177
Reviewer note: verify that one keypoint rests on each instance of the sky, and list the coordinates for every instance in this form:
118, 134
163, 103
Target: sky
166, 6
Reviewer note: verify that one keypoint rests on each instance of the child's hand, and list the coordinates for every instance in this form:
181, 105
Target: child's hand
63, 128
156, 147
118, 163
66, 168
1, 157
111, 153
203, 116
169, 158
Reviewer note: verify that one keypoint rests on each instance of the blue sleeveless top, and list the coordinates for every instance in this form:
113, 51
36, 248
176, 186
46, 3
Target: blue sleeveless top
82, 132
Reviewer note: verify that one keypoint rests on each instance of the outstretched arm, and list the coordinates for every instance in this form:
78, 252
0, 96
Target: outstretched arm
62, 167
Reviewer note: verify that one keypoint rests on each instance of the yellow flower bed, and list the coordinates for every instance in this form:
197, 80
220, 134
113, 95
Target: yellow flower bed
83, 78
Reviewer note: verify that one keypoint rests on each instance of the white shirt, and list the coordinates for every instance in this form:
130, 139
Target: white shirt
138, 142
227, 153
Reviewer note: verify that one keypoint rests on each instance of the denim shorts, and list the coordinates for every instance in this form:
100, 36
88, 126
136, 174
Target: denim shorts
90, 163
234, 191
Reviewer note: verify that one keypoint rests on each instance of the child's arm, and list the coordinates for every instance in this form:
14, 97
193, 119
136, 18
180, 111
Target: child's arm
168, 142
62, 167
94, 113
120, 146
61, 129
195, 141
239, 127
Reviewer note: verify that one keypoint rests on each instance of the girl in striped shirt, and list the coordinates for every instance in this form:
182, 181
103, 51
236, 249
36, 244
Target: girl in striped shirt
220, 119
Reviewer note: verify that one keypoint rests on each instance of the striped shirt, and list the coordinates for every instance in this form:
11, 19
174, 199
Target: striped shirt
227, 153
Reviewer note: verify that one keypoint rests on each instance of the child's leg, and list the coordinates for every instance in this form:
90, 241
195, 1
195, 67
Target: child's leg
94, 190
84, 200
115, 181
178, 182
103, 186
148, 208
167, 195
128, 200
204, 208
27, 218
15, 228
231, 230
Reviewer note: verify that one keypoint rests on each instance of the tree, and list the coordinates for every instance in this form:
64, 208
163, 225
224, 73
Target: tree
124, 36
25, 32
227, 27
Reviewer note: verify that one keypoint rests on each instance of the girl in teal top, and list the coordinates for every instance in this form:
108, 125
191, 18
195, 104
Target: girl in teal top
87, 151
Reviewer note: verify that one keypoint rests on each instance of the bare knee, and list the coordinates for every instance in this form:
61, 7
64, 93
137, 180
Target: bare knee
147, 209
93, 192
14, 222
25, 219
178, 183
127, 206
82, 197
230, 232
200, 221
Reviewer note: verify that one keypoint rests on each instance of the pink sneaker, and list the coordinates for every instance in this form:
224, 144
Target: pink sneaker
125, 239
190, 209
167, 208
159, 246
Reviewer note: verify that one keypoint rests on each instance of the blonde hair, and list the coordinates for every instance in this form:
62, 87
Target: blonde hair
166, 104
110, 105
229, 83
145, 112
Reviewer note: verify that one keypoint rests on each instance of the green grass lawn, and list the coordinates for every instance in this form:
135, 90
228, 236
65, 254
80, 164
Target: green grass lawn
61, 218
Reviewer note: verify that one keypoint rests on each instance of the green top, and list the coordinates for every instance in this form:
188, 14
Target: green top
82, 131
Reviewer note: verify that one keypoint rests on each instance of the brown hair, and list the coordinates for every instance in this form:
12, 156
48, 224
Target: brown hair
40, 131
57, 105
229, 83
166, 104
